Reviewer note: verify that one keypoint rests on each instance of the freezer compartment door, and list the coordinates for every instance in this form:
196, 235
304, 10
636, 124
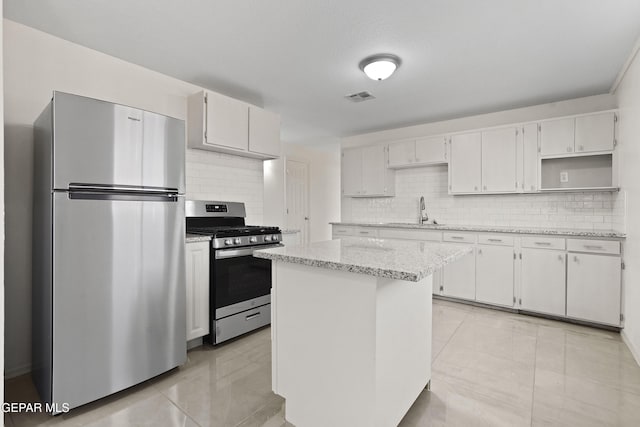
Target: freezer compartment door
118, 294
97, 142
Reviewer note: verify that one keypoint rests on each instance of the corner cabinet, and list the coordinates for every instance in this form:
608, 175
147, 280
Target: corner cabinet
365, 172
197, 266
219, 123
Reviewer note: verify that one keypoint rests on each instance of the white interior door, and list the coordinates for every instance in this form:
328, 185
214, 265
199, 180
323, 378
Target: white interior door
297, 198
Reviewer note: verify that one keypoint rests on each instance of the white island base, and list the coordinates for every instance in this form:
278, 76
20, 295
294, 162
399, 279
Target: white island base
348, 349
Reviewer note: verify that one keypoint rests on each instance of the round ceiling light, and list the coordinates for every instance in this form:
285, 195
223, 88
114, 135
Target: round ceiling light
380, 67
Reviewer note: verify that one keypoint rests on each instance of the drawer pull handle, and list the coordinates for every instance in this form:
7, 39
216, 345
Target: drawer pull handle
364, 232
495, 240
594, 247
457, 237
251, 316
543, 243
561, 257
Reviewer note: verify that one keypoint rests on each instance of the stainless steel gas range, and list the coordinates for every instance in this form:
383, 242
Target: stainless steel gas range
240, 285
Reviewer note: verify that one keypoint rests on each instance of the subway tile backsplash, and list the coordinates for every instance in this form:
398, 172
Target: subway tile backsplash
587, 210
218, 176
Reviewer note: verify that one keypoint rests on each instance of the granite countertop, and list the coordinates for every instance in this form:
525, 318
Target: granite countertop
572, 232
390, 258
190, 238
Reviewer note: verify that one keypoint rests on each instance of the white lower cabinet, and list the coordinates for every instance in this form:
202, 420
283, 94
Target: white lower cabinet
197, 266
543, 281
459, 278
494, 275
593, 288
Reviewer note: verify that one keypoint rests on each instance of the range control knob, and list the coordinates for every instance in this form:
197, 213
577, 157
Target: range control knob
267, 238
228, 242
275, 237
253, 239
237, 241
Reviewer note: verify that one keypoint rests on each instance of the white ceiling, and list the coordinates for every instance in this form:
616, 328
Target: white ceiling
300, 57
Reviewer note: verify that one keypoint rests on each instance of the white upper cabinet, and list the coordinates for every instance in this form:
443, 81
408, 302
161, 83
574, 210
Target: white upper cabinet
365, 173
264, 132
576, 135
352, 172
420, 152
218, 123
557, 137
595, 132
227, 122
402, 154
465, 174
499, 160
432, 150
529, 177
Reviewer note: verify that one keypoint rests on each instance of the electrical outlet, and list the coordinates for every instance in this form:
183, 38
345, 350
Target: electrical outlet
564, 176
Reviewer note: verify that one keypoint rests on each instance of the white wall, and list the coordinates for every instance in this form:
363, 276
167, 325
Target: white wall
36, 63
628, 94
591, 211
324, 187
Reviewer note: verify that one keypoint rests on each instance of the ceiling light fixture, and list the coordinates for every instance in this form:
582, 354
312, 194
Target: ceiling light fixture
381, 66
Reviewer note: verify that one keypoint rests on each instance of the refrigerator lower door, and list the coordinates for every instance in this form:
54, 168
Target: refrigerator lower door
118, 293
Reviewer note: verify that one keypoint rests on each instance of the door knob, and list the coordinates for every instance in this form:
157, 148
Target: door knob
306, 218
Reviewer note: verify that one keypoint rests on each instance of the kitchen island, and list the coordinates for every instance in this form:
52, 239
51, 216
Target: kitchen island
351, 328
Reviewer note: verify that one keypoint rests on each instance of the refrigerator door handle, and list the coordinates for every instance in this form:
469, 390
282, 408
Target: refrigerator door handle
129, 196
120, 188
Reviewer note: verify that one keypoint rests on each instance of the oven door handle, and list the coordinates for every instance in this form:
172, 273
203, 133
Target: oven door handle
235, 253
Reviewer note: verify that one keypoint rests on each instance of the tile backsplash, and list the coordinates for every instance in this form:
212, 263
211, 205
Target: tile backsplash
218, 176
586, 210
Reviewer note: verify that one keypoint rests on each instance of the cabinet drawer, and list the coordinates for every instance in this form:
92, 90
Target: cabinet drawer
428, 235
459, 237
341, 230
495, 239
596, 246
365, 232
543, 242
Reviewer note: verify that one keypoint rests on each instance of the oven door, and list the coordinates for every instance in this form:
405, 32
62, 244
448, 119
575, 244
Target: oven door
239, 280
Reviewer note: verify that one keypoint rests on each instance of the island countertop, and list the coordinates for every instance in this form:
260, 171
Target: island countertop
565, 232
394, 259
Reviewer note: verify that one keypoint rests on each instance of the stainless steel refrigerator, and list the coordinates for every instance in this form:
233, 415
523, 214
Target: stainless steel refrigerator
108, 248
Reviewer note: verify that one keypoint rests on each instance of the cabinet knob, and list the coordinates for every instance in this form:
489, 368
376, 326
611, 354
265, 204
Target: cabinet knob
479, 251
581, 148
569, 149
561, 257
484, 188
575, 259
475, 188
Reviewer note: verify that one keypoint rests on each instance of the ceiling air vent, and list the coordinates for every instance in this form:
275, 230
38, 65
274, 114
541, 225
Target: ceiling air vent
360, 96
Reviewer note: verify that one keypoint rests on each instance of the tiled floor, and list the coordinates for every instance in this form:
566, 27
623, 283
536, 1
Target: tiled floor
490, 368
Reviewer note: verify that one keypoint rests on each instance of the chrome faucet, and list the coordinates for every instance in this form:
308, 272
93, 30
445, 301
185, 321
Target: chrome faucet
422, 217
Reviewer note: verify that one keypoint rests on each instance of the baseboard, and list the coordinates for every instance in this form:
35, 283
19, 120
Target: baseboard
634, 351
16, 371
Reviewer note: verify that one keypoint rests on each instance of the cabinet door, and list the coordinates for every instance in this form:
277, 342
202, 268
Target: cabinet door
543, 281
557, 137
401, 154
352, 172
593, 288
499, 160
595, 132
431, 150
494, 275
465, 163
227, 122
197, 289
530, 158
373, 170
459, 278
264, 132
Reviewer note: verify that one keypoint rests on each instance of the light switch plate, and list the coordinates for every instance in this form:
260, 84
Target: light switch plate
564, 176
